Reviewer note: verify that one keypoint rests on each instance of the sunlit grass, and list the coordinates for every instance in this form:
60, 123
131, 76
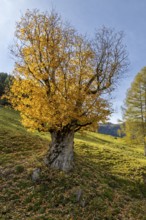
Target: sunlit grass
107, 170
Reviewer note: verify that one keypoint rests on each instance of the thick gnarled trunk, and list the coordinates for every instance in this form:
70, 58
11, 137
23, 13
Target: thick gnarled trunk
60, 155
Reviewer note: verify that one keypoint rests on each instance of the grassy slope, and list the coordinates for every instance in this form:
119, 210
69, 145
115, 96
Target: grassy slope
108, 172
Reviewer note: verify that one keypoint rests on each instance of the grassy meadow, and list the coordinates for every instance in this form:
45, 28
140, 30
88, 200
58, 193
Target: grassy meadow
107, 183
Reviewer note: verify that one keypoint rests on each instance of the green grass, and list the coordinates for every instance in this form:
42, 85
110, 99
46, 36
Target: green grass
107, 171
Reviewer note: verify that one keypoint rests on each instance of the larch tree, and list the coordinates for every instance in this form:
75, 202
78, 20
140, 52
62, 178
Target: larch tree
135, 110
61, 79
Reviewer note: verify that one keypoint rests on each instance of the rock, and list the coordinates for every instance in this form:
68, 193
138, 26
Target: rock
79, 193
83, 203
36, 175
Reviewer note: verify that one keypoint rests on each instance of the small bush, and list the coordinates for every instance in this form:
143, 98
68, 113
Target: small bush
19, 169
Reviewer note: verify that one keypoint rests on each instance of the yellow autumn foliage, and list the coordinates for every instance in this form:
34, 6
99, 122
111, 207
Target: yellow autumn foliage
56, 74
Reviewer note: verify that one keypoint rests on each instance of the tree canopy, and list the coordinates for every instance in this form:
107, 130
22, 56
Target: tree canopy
60, 75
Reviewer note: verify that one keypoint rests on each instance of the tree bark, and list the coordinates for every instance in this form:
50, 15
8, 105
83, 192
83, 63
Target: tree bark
60, 154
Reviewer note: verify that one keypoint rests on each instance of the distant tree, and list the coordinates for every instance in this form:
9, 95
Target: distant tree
135, 110
60, 79
4, 85
119, 132
121, 129
3, 80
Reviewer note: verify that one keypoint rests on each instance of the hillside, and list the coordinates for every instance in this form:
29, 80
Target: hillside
109, 128
106, 184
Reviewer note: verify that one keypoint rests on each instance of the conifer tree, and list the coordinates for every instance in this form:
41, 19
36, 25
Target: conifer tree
135, 111
5, 81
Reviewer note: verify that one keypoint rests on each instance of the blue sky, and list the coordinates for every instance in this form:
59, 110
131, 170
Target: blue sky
86, 16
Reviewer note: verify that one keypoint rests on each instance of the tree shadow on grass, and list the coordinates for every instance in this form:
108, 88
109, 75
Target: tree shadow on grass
101, 171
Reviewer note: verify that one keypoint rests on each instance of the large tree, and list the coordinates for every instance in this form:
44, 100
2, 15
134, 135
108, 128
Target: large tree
135, 111
61, 79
